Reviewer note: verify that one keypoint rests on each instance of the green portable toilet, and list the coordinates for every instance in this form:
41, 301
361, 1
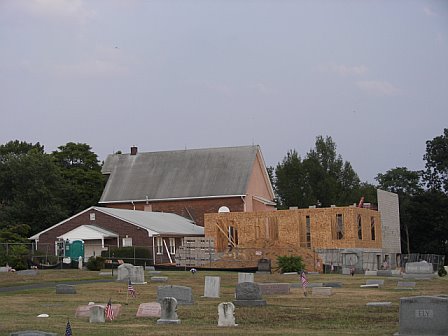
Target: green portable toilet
75, 249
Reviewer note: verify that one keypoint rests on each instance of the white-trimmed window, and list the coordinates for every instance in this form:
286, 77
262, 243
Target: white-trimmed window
127, 241
92, 216
159, 241
172, 245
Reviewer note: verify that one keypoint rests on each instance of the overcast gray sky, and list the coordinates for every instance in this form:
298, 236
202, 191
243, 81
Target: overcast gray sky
165, 75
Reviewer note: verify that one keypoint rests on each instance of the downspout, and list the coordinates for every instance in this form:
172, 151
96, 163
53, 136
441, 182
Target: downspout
133, 205
153, 251
244, 202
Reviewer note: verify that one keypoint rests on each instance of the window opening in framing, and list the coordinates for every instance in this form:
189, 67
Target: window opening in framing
372, 227
308, 231
359, 227
339, 227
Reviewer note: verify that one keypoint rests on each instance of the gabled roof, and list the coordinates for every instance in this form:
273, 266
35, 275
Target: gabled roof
193, 173
156, 223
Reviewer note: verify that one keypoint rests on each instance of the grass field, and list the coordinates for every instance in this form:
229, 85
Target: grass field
344, 313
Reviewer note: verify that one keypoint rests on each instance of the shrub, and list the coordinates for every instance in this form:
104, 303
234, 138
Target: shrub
95, 263
16, 258
442, 271
290, 263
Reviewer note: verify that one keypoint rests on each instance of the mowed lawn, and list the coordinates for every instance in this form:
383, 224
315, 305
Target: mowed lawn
344, 313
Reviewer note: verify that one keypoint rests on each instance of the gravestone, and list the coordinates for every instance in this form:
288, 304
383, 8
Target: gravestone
264, 266
84, 310
419, 270
168, 313
370, 286
150, 268
245, 277
97, 314
379, 282
150, 309
225, 314
333, 284
212, 286
248, 294
129, 271
274, 288
405, 285
384, 273
32, 333
322, 291
65, 289
31, 272
370, 273
182, 294
423, 315
310, 285
159, 279
379, 304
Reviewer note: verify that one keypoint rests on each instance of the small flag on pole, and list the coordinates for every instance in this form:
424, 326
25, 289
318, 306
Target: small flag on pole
131, 289
68, 329
108, 311
303, 279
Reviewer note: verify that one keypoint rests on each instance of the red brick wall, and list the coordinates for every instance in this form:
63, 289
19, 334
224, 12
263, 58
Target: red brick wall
139, 236
196, 207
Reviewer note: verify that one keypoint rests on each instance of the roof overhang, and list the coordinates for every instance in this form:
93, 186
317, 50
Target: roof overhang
88, 232
171, 199
263, 200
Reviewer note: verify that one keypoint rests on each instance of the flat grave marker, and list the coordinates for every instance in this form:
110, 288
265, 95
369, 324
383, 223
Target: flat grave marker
149, 309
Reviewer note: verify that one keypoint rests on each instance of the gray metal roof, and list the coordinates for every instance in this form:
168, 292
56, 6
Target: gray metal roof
192, 173
158, 222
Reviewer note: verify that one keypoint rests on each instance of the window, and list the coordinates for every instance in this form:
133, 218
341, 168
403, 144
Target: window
233, 236
92, 216
159, 241
372, 227
339, 227
60, 248
127, 241
172, 245
359, 227
308, 231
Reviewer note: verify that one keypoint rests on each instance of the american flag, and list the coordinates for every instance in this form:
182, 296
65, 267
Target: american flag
68, 329
108, 311
131, 289
303, 279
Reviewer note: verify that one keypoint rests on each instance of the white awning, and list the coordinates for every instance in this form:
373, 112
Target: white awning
88, 232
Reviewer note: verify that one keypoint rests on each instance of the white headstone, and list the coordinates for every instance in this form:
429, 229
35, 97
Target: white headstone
212, 286
225, 314
168, 313
245, 277
97, 314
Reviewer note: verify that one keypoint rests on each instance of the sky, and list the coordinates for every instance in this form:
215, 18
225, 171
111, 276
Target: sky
169, 75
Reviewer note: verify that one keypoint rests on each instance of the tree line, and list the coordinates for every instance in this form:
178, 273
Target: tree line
38, 189
323, 178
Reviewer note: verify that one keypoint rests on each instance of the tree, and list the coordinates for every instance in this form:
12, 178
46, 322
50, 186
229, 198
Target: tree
289, 182
323, 178
82, 173
436, 157
32, 190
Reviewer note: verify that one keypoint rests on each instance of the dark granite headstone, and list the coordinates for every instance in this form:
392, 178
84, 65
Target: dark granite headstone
248, 294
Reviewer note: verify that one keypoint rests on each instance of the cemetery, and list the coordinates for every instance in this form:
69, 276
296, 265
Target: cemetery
220, 303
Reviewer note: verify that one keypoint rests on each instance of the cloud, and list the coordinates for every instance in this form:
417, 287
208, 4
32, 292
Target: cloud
219, 88
263, 89
105, 62
428, 11
60, 9
346, 70
378, 88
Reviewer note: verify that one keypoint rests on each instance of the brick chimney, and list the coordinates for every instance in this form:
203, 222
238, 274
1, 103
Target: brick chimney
134, 150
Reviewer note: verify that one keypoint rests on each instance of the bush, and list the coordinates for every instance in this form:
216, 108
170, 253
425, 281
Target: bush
16, 258
290, 263
127, 254
95, 263
442, 271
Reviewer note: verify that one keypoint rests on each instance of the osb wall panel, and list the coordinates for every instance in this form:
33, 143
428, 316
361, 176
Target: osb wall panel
288, 227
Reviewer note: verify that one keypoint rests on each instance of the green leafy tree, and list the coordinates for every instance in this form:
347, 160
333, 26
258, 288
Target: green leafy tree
81, 171
32, 190
290, 263
322, 178
436, 157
